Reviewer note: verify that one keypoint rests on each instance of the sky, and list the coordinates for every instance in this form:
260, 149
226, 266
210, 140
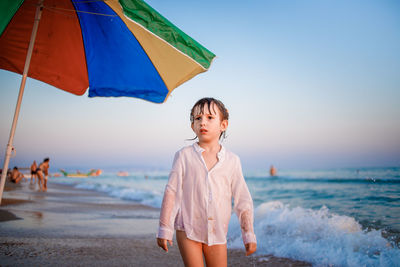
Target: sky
308, 85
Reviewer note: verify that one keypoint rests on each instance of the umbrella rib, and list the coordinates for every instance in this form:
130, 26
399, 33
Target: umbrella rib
74, 10
172, 46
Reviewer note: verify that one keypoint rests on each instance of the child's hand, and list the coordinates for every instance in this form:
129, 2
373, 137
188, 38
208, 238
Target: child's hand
162, 243
250, 248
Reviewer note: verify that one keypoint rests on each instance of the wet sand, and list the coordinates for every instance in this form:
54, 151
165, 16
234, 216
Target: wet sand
66, 226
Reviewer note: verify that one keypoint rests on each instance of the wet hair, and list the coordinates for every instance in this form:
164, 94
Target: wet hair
46, 159
15, 168
208, 102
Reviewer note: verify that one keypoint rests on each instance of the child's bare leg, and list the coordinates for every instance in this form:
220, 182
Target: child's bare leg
191, 251
215, 256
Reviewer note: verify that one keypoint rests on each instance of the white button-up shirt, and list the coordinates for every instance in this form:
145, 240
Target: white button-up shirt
199, 201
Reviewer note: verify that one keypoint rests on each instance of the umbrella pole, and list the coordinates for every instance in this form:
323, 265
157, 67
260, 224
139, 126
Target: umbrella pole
9, 149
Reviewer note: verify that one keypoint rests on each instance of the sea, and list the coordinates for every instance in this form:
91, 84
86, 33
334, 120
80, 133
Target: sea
328, 217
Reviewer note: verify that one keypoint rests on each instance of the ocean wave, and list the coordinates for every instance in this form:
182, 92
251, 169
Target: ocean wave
146, 197
316, 236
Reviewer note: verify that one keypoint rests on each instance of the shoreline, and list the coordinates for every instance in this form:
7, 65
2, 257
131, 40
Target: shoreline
70, 226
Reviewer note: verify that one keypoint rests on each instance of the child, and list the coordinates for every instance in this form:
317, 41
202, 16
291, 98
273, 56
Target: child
198, 197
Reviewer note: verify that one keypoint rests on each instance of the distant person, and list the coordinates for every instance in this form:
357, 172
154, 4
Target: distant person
43, 173
272, 171
16, 175
33, 172
197, 202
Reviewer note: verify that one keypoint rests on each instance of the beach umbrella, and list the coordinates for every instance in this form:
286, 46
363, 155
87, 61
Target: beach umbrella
113, 48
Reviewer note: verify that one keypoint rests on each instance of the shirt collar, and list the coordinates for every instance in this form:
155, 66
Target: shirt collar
199, 150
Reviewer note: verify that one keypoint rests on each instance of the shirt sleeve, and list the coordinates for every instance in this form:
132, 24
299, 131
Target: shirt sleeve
171, 200
243, 205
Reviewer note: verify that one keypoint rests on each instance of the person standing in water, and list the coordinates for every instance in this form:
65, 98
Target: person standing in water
42, 172
33, 172
197, 200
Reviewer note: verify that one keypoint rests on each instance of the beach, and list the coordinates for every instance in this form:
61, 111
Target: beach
67, 226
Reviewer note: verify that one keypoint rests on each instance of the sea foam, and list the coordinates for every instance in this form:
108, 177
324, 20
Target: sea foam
316, 236
151, 198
